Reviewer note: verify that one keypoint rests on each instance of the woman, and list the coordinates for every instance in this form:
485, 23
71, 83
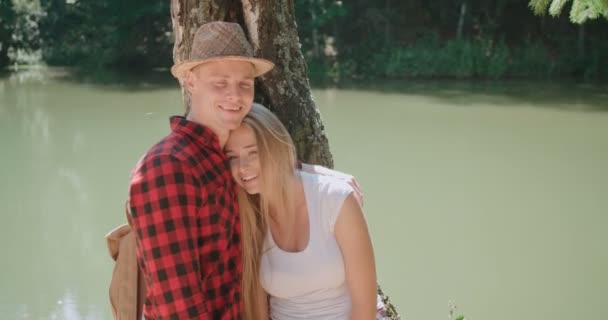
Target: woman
307, 251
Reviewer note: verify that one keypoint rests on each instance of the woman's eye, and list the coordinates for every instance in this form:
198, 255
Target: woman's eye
245, 85
253, 153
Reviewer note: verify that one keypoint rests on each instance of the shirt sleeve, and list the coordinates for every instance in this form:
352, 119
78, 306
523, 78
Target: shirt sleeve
165, 199
335, 192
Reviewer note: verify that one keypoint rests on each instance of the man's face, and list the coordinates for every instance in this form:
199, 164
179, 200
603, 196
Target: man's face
222, 93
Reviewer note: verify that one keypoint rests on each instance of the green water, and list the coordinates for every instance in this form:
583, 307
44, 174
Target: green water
490, 195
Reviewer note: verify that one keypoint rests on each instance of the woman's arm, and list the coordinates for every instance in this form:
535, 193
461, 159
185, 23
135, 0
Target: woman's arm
264, 305
356, 246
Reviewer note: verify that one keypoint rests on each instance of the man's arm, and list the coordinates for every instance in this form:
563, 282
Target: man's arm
358, 194
165, 199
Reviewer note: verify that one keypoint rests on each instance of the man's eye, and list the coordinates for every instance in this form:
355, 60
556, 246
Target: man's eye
220, 84
245, 85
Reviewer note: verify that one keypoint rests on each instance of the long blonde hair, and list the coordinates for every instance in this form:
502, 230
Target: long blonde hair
277, 157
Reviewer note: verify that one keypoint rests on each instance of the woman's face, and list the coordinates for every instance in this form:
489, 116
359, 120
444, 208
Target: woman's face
242, 152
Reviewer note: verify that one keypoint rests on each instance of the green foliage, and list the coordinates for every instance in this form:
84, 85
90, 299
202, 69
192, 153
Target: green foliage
19, 31
7, 25
341, 40
316, 23
498, 61
590, 66
581, 11
430, 58
415, 39
90, 34
102, 34
531, 60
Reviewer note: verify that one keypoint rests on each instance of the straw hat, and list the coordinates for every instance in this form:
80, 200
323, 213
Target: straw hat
220, 41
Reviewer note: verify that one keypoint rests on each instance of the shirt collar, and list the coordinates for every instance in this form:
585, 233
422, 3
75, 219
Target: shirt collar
196, 131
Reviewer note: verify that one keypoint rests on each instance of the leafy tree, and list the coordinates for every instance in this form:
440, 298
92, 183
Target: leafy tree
107, 33
7, 24
581, 11
19, 31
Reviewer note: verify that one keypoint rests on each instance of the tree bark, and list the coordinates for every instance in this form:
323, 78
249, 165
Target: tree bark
271, 28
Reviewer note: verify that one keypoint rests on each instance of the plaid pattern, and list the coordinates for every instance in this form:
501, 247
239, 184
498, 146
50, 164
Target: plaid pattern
184, 213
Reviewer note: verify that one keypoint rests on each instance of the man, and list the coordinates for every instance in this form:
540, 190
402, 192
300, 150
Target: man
183, 206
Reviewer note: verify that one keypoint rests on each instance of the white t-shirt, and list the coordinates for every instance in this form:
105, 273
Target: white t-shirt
310, 284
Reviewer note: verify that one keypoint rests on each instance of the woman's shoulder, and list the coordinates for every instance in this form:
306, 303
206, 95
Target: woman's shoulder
325, 184
329, 196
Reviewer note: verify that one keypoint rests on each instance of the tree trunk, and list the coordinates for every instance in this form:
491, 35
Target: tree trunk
387, 24
271, 28
463, 13
316, 51
581, 41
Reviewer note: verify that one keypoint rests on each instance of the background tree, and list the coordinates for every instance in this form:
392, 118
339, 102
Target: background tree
7, 24
19, 31
581, 11
342, 41
106, 33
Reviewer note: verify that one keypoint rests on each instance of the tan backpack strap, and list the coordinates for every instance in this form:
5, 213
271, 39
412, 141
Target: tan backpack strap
124, 291
128, 210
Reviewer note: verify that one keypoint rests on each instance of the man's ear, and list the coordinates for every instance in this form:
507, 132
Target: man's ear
189, 80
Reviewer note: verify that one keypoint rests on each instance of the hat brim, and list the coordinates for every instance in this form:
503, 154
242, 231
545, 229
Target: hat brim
261, 66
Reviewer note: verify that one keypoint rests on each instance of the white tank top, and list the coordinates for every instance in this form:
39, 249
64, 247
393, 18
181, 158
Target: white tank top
310, 284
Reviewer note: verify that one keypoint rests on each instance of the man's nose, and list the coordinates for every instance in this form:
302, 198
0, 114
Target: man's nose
233, 92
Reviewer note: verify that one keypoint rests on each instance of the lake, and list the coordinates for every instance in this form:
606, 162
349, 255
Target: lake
489, 195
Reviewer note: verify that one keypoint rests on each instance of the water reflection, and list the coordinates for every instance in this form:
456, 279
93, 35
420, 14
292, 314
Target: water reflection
36, 74
3, 105
149, 80
68, 308
563, 95
62, 307
50, 230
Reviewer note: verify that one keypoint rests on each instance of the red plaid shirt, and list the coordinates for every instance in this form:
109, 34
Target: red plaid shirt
184, 213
